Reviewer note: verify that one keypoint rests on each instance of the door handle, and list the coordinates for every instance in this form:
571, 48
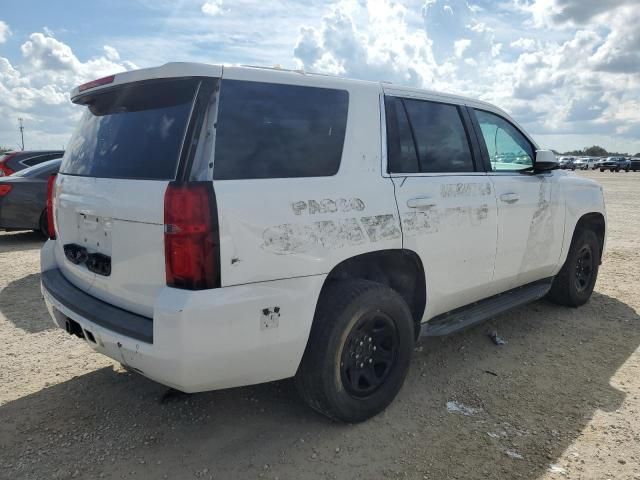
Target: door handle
509, 197
420, 202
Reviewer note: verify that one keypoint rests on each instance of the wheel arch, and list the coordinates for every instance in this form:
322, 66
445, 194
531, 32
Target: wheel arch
399, 269
596, 222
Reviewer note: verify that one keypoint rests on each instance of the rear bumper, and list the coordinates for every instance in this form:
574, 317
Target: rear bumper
196, 341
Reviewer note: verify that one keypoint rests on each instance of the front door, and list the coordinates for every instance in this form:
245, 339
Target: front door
530, 213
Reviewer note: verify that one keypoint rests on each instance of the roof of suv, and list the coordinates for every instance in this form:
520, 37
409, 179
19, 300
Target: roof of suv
275, 75
187, 69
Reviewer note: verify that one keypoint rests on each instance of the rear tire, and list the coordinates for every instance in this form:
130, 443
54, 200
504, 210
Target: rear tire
358, 352
44, 224
574, 284
602, 169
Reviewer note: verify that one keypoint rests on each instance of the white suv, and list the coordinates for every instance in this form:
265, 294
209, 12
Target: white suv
217, 227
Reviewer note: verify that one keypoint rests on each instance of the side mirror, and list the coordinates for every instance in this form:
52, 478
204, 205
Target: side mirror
545, 161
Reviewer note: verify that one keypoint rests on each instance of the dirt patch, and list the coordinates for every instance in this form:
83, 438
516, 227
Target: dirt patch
560, 400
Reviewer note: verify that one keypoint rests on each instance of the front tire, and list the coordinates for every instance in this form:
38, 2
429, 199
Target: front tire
358, 352
574, 284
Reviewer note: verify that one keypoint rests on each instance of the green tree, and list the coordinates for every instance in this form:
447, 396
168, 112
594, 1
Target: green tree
595, 151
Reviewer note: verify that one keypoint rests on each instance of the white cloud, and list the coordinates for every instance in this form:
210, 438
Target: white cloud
459, 46
38, 89
525, 44
212, 7
111, 53
5, 31
569, 12
370, 41
564, 83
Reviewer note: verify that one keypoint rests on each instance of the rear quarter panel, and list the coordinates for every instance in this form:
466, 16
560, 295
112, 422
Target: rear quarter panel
22, 207
282, 228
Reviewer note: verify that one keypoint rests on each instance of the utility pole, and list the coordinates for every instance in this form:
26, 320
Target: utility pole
21, 132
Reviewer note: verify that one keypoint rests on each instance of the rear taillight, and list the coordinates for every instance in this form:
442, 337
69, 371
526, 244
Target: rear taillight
191, 237
4, 189
51, 184
5, 171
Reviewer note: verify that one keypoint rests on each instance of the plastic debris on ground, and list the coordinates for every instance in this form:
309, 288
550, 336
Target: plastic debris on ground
496, 339
455, 407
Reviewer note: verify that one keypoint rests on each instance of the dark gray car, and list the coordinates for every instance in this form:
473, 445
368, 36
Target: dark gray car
23, 198
11, 162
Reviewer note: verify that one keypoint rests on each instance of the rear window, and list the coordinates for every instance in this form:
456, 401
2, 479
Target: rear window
31, 161
43, 169
279, 131
134, 131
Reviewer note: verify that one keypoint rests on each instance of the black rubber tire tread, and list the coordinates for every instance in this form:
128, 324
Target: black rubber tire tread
563, 290
42, 223
318, 378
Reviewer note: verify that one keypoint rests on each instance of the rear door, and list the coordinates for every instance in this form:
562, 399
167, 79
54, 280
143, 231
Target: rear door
530, 212
446, 202
132, 140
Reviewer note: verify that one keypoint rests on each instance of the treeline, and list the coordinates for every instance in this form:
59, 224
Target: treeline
597, 151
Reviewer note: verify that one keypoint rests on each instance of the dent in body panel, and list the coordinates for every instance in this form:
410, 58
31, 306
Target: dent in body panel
541, 229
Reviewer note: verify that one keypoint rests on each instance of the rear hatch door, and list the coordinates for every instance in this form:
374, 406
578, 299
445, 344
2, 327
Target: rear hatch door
132, 140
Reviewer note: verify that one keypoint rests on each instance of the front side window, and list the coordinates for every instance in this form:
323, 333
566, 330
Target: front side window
508, 148
439, 139
268, 130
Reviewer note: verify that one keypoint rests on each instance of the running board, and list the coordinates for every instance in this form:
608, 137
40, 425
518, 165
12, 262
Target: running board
478, 312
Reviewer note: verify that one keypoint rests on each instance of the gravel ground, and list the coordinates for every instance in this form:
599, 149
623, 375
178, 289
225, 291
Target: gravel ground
560, 400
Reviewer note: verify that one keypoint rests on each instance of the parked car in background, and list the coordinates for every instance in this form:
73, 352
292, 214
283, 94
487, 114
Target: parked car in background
12, 162
292, 246
614, 164
23, 198
634, 163
567, 163
585, 163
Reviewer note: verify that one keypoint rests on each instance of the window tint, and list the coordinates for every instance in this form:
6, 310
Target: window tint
278, 131
440, 137
30, 161
438, 134
509, 150
35, 160
135, 131
400, 145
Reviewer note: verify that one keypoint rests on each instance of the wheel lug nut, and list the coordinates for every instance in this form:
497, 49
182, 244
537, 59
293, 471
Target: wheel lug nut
361, 343
361, 365
370, 360
374, 348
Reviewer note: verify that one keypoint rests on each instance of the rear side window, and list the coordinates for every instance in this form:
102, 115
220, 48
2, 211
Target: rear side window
270, 130
401, 146
439, 138
134, 131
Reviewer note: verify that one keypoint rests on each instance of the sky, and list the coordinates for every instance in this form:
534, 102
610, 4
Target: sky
567, 70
